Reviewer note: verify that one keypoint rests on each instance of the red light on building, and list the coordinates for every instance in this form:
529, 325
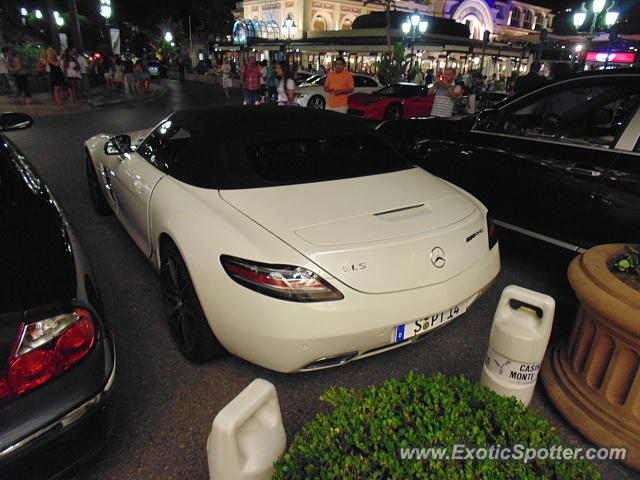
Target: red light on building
614, 57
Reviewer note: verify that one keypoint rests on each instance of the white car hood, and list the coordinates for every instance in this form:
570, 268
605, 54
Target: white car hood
373, 233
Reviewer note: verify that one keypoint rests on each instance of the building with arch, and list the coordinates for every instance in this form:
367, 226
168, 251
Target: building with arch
503, 19
324, 31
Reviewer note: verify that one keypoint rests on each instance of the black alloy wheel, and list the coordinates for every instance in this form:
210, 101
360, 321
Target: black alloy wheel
316, 102
98, 201
187, 321
393, 112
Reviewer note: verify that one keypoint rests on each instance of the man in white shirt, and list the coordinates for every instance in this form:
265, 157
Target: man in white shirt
446, 91
84, 72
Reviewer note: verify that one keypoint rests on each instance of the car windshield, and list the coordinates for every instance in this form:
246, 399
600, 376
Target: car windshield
213, 158
397, 90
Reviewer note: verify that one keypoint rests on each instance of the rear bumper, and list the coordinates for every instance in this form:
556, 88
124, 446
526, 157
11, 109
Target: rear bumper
288, 336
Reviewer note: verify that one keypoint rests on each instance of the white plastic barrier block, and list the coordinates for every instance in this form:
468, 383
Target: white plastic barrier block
247, 435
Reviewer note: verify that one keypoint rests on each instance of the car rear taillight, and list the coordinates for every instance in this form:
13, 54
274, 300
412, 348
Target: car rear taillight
493, 235
285, 282
46, 348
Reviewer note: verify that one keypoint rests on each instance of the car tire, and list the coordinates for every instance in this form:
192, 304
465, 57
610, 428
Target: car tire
317, 102
183, 311
393, 112
98, 201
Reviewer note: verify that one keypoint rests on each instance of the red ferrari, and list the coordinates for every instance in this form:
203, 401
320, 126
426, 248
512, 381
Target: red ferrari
400, 100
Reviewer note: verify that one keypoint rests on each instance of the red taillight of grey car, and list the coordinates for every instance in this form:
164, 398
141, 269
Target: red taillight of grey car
285, 282
46, 348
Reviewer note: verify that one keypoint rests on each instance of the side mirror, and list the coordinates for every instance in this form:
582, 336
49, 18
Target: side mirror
15, 121
118, 145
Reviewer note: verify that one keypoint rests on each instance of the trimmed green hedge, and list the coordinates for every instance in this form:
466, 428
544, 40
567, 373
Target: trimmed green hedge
363, 436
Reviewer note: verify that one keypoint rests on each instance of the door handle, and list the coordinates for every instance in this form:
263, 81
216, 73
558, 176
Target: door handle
139, 186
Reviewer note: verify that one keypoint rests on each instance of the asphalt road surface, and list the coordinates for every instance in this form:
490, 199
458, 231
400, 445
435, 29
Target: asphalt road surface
165, 405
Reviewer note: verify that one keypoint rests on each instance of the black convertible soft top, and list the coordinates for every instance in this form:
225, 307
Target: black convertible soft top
242, 125
233, 147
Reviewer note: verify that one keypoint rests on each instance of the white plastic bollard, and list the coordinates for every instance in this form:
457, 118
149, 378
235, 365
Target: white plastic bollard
247, 435
518, 341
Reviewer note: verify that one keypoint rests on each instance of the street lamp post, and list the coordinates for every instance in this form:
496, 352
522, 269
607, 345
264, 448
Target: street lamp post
414, 24
290, 29
105, 12
598, 10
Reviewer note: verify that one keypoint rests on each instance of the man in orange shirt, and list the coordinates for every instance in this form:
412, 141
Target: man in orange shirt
339, 84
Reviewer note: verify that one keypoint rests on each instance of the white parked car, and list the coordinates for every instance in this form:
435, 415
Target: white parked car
312, 95
293, 238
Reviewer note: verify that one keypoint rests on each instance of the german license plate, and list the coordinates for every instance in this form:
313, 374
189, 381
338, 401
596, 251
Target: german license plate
423, 325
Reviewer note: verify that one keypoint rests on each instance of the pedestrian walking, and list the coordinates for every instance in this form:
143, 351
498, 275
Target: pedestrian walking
286, 85
418, 77
14, 67
530, 81
145, 74
84, 74
272, 83
446, 91
225, 69
21, 76
129, 79
162, 74
181, 68
138, 74
107, 72
118, 74
72, 72
55, 75
250, 78
4, 69
339, 84
263, 81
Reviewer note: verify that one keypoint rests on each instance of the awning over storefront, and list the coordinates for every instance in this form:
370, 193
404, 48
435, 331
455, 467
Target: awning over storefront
437, 25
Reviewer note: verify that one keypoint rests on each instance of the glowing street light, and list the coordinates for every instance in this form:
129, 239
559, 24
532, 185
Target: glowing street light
290, 27
168, 37
24, 12
38, 14
413, 24
596, 10
58, 18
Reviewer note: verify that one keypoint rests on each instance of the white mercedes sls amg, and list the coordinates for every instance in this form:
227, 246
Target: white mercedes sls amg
295, 239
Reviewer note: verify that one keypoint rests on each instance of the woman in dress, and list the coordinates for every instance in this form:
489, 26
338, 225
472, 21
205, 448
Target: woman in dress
286, 85
55, 74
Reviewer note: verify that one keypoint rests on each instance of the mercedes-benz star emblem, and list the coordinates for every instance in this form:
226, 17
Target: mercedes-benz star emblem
438, 257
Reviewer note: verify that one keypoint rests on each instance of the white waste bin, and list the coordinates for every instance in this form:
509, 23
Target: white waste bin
519, 337
247, 435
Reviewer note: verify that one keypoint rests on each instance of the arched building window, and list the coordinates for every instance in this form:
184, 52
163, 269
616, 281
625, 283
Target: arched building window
540, 21
515, 17
319, 24
528, 20
346, 24
244, 29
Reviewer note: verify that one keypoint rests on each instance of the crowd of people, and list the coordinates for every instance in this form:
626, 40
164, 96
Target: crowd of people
473, 85
68, 74
275, 82
127, 74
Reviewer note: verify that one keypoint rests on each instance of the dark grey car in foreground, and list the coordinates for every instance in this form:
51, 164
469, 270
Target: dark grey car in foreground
57, 353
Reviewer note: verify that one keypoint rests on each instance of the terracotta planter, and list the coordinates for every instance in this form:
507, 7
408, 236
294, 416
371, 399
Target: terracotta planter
594, 379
